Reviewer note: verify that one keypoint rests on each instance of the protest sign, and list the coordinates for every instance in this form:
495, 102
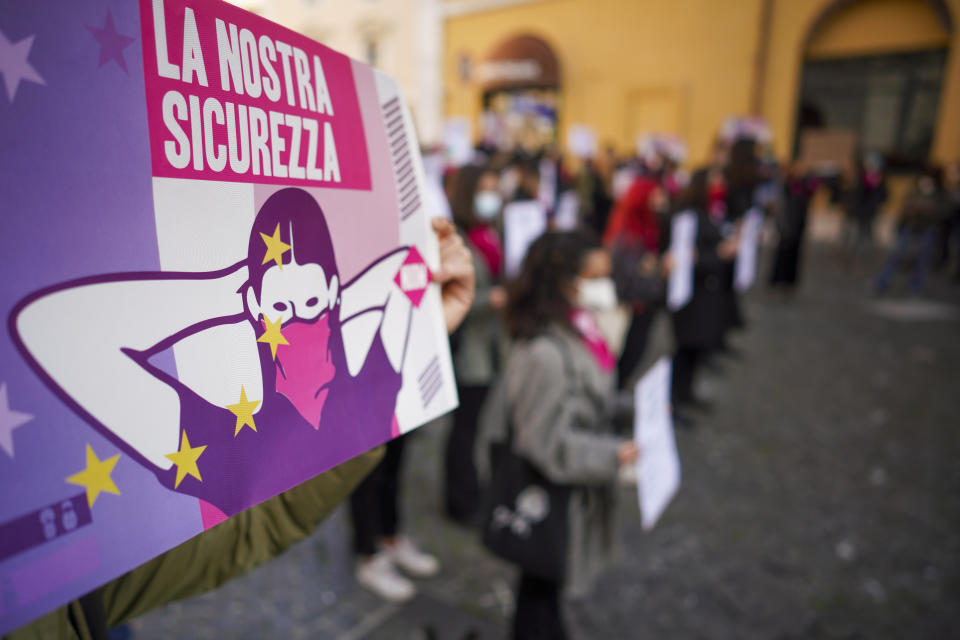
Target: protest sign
683, 235
582, 141
658, 467
567, 215
217, 264
458, 141
547, 191
827, 151
745, 268
523, 222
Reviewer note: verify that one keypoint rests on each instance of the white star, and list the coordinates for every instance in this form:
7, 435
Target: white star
9, 420
14, 66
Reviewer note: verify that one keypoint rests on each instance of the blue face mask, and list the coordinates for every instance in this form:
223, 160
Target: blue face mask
486, 204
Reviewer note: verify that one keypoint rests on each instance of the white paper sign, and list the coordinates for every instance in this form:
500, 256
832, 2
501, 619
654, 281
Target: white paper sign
745, 269
523, 222
683, 233
458, 141
582, 141
566, 216
437, 204
658, 467
548, 183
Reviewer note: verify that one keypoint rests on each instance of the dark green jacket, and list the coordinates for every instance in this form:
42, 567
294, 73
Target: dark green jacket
209, 559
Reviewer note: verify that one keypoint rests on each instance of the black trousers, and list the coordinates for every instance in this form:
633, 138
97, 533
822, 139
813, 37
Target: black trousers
633, 346
374, 504
461, 487
685, 362
786, 263
538, 615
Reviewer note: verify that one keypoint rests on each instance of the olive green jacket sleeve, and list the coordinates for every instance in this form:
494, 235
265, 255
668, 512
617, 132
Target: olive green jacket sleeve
213, 557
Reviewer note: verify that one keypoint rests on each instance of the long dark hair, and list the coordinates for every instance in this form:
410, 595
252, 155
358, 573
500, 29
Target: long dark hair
537, 297
696, 194
465, 182
743, 168
296, 213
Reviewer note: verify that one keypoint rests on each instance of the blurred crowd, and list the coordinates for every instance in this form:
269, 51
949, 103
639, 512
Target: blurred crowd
547, 357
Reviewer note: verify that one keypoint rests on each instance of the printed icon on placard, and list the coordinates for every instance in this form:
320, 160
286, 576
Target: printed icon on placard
413, 277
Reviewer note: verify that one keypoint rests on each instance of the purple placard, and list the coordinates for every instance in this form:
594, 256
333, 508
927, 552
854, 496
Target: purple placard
182, 344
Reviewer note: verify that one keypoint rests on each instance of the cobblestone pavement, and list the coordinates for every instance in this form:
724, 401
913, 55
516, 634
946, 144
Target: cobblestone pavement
820, 499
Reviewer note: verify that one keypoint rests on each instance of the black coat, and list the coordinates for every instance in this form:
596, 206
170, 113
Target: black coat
701, 324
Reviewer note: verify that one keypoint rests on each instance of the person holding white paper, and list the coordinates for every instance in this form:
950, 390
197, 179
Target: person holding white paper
476, 347
554, 407
700, 325
524, 219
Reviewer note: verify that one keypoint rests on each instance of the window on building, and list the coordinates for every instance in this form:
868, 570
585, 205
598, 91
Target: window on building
889, 100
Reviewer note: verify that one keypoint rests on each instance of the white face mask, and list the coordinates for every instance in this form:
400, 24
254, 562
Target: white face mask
486, 204
596, 294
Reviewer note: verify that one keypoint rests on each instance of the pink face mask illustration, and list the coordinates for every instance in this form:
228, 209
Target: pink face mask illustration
304, 367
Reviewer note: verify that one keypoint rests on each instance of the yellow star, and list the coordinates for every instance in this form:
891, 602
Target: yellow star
273, 336
275, 247
96, 477
244, 412
186, 460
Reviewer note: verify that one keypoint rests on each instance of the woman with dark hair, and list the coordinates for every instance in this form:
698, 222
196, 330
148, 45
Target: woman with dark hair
743, 176
556, 397
798, 190
476, 206
701, 324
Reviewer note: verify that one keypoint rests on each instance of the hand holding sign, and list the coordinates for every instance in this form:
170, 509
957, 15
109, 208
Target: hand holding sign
456, 275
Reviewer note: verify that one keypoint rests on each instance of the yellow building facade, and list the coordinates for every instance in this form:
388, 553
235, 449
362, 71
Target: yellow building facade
628, 67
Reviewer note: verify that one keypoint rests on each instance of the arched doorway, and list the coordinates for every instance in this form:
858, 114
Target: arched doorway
876, 67
521, 94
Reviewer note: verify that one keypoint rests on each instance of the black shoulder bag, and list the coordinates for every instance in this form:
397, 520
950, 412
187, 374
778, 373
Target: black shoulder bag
526, 515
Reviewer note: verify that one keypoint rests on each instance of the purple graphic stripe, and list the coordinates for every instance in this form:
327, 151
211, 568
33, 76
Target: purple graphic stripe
427, 369
43, 525
432, 393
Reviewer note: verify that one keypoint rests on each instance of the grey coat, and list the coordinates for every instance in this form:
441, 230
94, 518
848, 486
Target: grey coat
563, 427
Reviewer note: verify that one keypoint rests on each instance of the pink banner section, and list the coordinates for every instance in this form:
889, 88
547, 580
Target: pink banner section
234, 97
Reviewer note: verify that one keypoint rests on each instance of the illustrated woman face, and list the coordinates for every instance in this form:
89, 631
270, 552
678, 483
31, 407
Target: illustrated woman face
294, 292
293, 298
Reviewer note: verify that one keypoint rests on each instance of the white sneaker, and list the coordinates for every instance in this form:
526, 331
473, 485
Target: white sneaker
408, 557
380, 576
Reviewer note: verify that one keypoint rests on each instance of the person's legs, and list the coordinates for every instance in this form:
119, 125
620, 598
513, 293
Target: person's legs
365, 514
924, 257
461, 487
882, 283
376, 520
388, 495
399, 548
684, 364
538, 615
